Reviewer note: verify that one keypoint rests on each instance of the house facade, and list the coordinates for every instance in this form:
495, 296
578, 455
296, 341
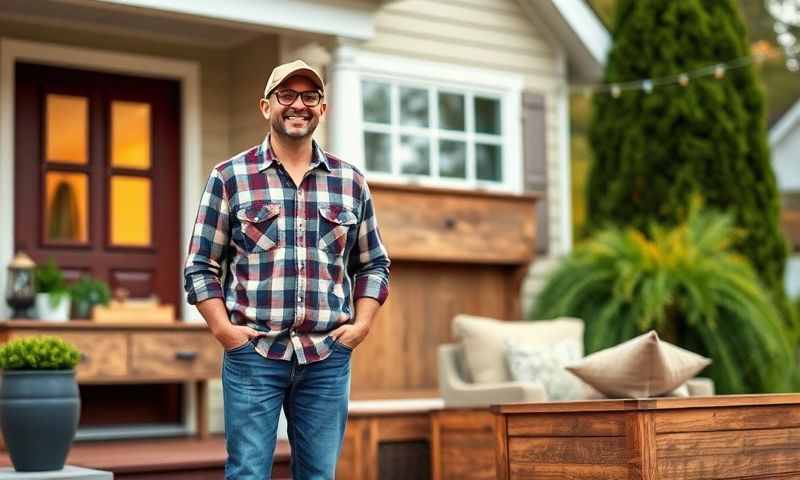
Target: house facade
784, 138
113, 112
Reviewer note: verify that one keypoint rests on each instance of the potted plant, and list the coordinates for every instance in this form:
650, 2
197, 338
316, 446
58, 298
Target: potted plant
52, 297
87, 292
39, 401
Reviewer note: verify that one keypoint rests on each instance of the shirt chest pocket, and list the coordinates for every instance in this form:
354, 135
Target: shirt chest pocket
258, 227
335, 223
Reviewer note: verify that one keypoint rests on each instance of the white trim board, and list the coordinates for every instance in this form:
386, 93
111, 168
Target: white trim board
187, 72
785, 124
297, 15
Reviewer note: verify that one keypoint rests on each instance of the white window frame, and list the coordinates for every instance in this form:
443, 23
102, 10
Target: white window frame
434, 77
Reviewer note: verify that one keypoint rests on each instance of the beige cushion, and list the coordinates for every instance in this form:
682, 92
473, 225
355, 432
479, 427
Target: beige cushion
483, 340
644, 366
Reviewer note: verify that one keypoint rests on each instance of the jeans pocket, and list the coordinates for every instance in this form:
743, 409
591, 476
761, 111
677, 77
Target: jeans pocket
241, 347
345, 347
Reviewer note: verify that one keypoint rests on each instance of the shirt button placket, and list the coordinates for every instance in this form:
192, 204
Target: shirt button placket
301, 253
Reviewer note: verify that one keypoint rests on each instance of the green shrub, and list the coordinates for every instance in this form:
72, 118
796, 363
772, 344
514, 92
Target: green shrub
38, 353
652, 151
687, 283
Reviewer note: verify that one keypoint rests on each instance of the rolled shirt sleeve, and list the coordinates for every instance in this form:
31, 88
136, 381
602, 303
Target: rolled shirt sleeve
369, 259
207, 249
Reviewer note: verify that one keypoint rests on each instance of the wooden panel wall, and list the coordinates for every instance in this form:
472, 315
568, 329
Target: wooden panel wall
452, 252
400, 351
436, 224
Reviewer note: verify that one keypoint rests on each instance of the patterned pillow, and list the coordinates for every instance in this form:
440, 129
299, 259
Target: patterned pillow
545, 364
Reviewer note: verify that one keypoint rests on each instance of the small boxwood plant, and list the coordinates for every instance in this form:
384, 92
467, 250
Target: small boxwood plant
38, 353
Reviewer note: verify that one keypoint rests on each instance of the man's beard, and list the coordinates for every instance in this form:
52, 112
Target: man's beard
279, 124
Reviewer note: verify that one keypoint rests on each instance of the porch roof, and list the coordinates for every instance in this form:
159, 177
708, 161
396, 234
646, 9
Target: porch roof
351, 20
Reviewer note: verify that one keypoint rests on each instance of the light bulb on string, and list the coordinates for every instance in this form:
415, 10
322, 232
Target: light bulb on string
719, 72
615, 91
787, 39
683, 79
647, 86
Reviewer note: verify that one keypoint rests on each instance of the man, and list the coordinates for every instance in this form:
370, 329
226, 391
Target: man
287, 267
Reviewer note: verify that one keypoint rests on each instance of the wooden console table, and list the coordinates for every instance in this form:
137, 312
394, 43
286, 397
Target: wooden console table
754, 437
135, 353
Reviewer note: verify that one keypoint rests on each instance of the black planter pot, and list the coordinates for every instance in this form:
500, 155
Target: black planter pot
39, 411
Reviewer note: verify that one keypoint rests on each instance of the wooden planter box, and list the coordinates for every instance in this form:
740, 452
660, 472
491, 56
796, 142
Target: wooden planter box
754, 437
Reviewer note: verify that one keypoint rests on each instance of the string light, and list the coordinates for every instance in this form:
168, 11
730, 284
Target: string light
717, 70
787, 17
647, 85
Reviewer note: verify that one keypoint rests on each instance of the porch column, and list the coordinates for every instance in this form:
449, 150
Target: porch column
344, 106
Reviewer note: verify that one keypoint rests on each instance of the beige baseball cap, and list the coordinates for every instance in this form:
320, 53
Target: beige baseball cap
297, 67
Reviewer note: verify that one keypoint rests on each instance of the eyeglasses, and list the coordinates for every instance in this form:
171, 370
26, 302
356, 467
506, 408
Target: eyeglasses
310, 98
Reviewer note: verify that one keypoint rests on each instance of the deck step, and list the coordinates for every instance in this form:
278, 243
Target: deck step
185, 458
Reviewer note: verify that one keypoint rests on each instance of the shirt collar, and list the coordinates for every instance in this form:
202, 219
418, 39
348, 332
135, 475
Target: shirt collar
267, 157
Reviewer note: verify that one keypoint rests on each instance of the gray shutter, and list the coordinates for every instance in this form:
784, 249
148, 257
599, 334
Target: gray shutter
534, 151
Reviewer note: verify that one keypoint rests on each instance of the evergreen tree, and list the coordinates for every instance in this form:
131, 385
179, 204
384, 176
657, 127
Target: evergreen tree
652, 151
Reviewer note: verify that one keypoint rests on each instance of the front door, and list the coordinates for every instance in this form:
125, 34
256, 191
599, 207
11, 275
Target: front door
97, 176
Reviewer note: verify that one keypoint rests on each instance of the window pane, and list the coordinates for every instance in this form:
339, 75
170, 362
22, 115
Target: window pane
130, 135
451, 111
452, 159
130, 211
489, 161
67, 129
487, 115
415, 153
413, 107
66, 207
377, 150
375, 101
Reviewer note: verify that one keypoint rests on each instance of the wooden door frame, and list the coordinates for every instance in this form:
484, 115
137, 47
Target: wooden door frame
186, 72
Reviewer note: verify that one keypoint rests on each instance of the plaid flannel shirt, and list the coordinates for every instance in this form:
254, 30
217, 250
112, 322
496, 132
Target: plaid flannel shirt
292, 260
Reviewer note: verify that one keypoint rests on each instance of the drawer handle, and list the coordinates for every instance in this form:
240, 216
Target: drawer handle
188, 356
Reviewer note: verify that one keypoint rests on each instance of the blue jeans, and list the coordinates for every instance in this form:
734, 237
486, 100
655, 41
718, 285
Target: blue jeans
314, 398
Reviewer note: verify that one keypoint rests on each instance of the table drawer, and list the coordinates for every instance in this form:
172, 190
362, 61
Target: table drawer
177, 355
103, 355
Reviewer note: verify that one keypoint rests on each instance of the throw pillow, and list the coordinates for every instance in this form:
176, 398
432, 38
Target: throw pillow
483, 340
642, 367
545, 364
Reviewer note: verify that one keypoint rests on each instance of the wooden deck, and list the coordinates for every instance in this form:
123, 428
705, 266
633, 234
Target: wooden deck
157, 459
